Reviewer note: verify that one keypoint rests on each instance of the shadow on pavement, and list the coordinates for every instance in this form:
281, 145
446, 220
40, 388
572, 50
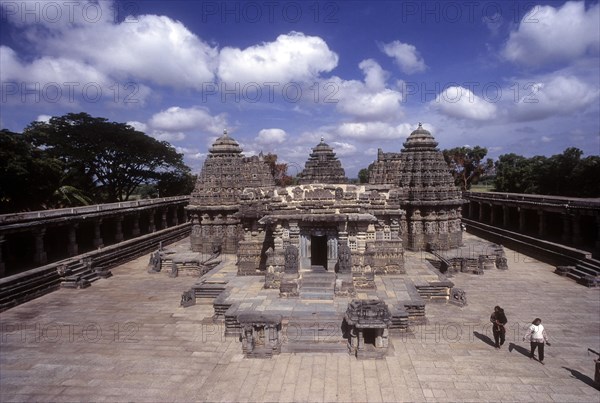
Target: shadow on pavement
484, 339
519, 349
583, 378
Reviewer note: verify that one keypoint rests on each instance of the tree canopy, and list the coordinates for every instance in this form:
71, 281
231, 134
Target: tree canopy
107, 160
77, 159
28, 176
467, 164
566, 174
363, 176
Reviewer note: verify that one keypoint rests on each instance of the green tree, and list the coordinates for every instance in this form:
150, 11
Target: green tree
28, 176
467, 164
513, 174
363, 176
566, 174
180, 182
107, 160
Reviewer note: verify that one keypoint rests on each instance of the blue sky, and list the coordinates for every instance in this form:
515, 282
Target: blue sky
512, 76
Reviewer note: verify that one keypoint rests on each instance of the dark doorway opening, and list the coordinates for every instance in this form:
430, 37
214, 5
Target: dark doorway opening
370, 335
318, 251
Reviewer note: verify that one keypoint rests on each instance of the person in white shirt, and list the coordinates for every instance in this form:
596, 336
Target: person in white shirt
536, 334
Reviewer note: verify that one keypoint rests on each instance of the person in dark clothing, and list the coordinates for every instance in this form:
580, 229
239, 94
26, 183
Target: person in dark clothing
498, 319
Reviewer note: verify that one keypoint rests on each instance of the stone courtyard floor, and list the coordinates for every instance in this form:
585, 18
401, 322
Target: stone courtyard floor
126, 339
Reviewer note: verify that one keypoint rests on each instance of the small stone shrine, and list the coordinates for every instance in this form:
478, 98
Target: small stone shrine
369, 322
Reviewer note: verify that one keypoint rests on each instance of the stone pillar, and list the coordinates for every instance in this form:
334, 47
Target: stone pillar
521, 219
361, 339
73, 247
492, 215
576, 229
39, 257
119, 229
332, 252
304, 251
505, 216
163, 219
135, 227
542, 218
480, 212
176, 216
566, 232
2, 265
471, 213
151, 226
98, 242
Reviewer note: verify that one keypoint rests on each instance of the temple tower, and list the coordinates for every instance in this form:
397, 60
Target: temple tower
323, 167
216, 196
433, 202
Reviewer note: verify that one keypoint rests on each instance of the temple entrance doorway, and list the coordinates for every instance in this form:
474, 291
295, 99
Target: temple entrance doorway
318, 250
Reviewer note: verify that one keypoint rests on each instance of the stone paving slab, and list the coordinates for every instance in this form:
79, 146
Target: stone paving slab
126, 339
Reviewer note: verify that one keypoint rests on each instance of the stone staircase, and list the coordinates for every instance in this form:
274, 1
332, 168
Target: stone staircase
82, 275
586, 271
317, 284
314, 332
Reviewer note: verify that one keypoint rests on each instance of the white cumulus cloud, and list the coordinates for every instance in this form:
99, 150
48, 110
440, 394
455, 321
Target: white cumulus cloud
405, 55
558, 95
549, 34
270, 136
177, 119
460, 102
374, 130
154, 48
291, 57
139, 126
369, 100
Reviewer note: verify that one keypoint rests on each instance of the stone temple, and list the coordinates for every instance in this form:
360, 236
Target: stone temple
313, 248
